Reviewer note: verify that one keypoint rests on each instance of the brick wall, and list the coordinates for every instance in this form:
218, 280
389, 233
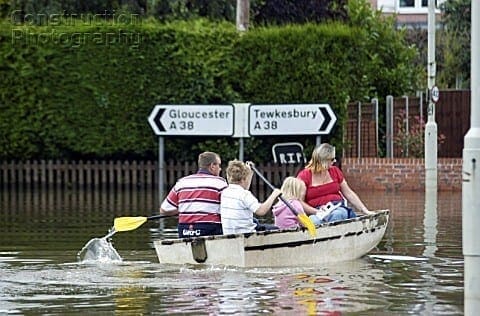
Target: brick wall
400, 174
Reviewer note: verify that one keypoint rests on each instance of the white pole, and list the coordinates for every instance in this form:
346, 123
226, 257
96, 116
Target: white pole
431, 126
241, 126
161, 168
430, 221
240, 149
243, 15
471, 178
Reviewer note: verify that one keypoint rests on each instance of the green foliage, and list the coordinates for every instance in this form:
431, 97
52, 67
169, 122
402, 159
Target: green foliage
82, 90
300, 64
410, 135
215, 10
36, 11
386, 46
262, 12
457, 24
281, 12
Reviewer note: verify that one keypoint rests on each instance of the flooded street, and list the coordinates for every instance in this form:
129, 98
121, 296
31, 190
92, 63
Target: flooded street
416, 269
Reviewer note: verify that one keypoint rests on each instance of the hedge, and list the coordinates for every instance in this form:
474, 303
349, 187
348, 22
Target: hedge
82, 89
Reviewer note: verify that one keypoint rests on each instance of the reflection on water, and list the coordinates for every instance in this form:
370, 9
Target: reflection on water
417, 268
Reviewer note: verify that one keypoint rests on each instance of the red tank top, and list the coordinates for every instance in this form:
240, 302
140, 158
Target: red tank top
322, 194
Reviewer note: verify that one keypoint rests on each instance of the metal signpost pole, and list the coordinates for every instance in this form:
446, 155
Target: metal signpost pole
241, 126
471, 178
161, 178
430, 216
161, 167
188, 120
431, 126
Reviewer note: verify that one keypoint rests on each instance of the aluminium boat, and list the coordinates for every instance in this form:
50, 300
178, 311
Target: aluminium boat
334, 242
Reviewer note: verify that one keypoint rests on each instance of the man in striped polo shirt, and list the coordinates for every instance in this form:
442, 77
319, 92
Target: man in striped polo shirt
196, 199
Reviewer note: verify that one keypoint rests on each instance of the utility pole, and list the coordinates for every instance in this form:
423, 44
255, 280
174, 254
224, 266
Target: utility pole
471, 178
431, 126
243, 15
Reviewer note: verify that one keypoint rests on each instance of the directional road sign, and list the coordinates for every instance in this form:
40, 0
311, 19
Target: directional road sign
192, 120
290, 119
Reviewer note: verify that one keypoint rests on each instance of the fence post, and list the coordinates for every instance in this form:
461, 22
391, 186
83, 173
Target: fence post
389, 126
119, 172
359, 129
375, 109
51, 173
420, 104
407, 125
111, 174
80, 174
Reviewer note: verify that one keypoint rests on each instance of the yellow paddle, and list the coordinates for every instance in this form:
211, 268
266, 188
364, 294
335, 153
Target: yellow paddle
302, 217
123, 224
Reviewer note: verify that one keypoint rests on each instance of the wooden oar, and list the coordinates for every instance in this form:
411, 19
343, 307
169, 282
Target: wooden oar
302, 217
123, 224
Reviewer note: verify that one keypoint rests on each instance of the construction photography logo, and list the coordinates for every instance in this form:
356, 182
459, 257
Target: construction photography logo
74, 30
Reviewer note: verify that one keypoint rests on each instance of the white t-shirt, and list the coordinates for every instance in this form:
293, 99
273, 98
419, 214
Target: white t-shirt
237, 207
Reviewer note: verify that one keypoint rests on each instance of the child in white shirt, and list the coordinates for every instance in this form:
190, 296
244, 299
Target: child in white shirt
238, 204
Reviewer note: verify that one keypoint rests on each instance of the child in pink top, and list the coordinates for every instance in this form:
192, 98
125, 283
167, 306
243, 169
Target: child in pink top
293, 190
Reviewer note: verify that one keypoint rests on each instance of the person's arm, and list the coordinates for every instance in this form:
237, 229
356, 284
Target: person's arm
353, 198
168, 208
308, 209
305, 175
267, 205
173, 212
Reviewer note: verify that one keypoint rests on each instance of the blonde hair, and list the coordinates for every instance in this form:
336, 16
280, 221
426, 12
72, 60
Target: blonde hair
237, 171
321, 158
293, 188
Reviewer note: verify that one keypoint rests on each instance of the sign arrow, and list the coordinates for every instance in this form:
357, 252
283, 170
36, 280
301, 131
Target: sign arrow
157, 122
329, 121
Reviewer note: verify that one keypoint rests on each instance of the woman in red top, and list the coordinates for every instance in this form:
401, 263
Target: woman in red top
327, 188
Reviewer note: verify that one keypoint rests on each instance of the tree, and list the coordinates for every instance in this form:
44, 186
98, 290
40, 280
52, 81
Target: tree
281, 12
457, 25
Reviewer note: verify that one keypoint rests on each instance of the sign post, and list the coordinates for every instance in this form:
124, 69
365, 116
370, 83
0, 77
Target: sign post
471, 178
431, 133
188, 120
241, 126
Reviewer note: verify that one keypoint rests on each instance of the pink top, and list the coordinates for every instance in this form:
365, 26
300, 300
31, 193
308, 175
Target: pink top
322, 194
284, 217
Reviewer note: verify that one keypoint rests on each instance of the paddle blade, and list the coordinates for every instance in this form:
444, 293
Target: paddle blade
307, 222
122, 224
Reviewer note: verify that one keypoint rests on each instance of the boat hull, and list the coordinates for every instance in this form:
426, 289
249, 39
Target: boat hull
334, 242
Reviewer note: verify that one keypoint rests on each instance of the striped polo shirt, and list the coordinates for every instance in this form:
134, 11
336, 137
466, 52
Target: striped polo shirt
197, 198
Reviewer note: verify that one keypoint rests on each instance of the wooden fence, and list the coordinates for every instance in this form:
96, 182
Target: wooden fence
73, 174
114, 175
362, 130
371, 131
452, 114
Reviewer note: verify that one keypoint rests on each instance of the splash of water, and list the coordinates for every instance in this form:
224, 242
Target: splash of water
99, 249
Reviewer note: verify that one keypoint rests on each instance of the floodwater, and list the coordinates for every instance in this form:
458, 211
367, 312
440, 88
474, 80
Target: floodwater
417, 269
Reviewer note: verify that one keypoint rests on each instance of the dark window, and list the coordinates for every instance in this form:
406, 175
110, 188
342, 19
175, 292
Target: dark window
407, 3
